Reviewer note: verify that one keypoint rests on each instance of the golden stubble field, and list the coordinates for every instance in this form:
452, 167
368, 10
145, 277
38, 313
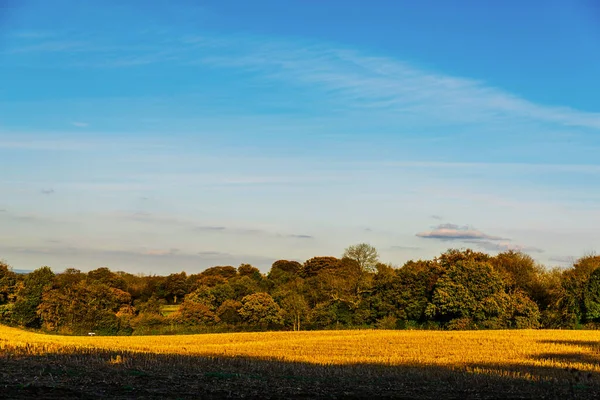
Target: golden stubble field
564, 361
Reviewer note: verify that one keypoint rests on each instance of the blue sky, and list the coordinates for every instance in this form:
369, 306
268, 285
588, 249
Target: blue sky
179, 136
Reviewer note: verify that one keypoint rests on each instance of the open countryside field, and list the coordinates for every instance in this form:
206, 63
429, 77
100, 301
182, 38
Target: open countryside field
338, 364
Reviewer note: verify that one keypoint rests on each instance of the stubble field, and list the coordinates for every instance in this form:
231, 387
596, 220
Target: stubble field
327, 364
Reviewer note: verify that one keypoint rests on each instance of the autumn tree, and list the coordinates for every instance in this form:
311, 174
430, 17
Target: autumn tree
193, 313
364, 254
8, 281
87, 305
316, 264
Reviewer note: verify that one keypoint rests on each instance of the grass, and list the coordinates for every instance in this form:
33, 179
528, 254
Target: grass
415, 364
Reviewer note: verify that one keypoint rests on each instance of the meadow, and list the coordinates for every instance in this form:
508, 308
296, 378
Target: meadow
332, 364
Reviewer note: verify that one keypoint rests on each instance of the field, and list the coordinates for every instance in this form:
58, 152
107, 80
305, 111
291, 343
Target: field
330, 364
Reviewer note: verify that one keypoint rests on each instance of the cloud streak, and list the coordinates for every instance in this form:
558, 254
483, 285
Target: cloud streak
80, 124
143, 260
353, 79
504, 246
456, 232
383, 83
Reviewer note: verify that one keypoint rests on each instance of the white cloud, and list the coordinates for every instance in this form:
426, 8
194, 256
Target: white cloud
455, 232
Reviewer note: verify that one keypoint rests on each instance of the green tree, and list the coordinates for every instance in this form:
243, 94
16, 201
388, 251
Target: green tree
283, 271
575, 282
175, 287
259, 309
203, 295
295, 309
468, 293
29, 297
105, 276
592, 298
521, 272
228, 312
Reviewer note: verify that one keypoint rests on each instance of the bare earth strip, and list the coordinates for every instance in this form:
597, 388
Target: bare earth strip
327, 364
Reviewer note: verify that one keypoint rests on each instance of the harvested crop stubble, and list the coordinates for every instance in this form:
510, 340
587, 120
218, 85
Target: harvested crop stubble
359, 361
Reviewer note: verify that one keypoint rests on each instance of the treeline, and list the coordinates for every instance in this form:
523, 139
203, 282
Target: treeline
460, 289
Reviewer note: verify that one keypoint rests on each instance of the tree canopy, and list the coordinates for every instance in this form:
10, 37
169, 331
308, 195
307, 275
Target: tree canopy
459, 289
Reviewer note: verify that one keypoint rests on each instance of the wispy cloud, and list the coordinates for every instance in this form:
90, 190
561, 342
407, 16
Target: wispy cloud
504, 246
353, 79
210, 228
160, 252
569, 260
32, 34
80, 124
456, 232
50, 46
363, 80
506, 167
143, 260
249, 232
47, 191
300, 236
438, 217
213, 253
404, 248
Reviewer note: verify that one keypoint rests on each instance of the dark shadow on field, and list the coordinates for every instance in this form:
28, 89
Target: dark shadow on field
93, 374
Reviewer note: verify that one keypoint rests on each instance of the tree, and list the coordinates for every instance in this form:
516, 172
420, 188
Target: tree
29, 297
461, 292
317, 264
192, 313
175, 287
295, 309
84, 306
575, 282
592, 297
471, 294
249, 271
107, 277
202, 295
228, 312
520, 272
364, 254
8, 280
283, 271
259, 309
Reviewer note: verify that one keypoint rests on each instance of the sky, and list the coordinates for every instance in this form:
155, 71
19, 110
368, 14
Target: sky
156, 137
